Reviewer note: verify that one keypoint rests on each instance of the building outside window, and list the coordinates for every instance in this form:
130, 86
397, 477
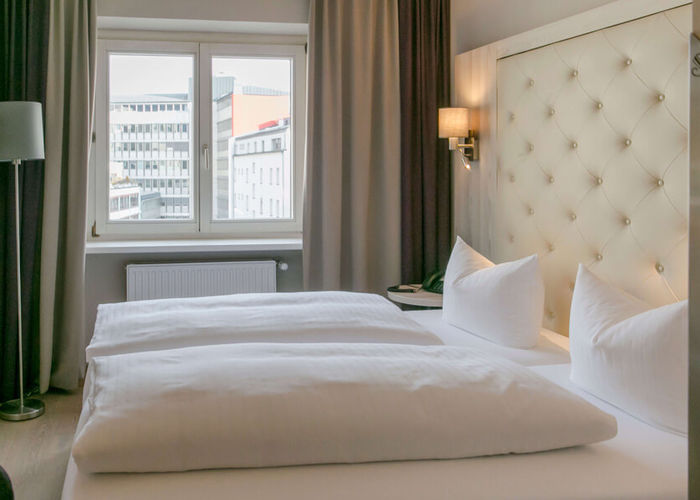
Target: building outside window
163, 159
277, 160
124, 200
128, 115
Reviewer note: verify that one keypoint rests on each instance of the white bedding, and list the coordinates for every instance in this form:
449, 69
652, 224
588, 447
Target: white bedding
551, 348
261, 317
276, 404
641, 462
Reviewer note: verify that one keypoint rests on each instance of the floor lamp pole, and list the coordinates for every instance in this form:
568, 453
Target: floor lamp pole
19, 287
20, 409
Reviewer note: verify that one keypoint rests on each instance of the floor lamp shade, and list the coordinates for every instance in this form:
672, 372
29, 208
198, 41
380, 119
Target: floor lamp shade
21, 131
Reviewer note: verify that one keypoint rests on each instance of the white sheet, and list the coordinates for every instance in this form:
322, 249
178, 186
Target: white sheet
551, 348
641, 462
294, 404
151, 325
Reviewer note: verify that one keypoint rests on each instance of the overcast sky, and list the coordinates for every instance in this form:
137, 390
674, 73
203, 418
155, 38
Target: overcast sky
146, 74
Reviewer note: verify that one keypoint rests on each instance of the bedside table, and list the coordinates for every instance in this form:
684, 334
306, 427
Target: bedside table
421, 298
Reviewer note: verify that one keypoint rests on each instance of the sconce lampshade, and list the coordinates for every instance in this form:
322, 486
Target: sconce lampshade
453, 122
21, 131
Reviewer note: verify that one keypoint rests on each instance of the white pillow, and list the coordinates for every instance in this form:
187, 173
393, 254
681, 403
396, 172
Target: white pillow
502, 303
630, 354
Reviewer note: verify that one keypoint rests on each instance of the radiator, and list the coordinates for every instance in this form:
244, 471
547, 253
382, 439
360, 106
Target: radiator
199, 279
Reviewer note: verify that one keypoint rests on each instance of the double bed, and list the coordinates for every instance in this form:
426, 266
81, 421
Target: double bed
640, 462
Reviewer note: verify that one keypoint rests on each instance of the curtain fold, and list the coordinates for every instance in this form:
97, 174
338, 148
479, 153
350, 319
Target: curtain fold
426, 172
352, 201
23, 52
69, 117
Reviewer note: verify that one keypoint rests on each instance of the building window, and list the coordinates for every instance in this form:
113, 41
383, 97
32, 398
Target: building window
159, 153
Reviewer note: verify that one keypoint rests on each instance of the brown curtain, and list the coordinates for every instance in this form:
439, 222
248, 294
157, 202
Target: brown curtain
424, 54
352, 199
69, 112
23, 51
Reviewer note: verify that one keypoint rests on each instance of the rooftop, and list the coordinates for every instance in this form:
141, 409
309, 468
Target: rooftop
149, 98
281, 125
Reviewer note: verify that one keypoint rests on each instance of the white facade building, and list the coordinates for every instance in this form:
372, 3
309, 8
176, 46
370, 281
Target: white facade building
238, 111
223, 113
124, 201
150, 144
261, 167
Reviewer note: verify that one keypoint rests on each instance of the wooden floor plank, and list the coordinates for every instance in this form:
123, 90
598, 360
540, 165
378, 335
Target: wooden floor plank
35, 452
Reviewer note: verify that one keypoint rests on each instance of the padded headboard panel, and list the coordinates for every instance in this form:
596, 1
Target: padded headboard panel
593, 160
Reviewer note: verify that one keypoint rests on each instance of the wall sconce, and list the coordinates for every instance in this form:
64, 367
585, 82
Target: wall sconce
453, 125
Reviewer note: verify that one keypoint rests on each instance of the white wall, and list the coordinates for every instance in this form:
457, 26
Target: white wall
287, 11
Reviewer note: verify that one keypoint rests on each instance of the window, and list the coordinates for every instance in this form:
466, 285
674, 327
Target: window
182, 122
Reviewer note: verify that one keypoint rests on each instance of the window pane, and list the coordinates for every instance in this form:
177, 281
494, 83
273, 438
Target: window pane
150, 99
251, 127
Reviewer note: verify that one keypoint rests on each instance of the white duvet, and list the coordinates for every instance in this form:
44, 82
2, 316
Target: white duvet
260, 405
261, 317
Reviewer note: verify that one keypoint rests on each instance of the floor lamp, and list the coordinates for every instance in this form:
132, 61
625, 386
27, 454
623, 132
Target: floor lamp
21, 138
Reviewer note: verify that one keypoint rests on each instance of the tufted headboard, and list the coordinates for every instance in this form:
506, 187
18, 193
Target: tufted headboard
592, 160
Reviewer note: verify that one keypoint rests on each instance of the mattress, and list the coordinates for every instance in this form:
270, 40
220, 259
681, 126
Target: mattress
640, 462
552, 348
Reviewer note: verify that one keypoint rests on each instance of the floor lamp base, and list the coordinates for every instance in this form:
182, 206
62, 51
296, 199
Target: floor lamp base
12, 410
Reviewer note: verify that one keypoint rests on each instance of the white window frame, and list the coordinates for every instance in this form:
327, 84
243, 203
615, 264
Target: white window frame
297, 56
101, 167
202, 224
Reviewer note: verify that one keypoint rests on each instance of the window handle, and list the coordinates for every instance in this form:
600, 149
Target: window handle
205, 151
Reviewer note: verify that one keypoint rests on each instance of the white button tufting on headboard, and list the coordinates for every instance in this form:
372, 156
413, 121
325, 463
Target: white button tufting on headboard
596, 163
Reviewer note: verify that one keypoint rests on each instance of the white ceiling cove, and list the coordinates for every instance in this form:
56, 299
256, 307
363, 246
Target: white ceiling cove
480, 22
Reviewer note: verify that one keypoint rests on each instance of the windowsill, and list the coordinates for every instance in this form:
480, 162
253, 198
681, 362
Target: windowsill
181, 246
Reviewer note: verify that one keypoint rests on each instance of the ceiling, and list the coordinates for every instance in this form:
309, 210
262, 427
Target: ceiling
480, 22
